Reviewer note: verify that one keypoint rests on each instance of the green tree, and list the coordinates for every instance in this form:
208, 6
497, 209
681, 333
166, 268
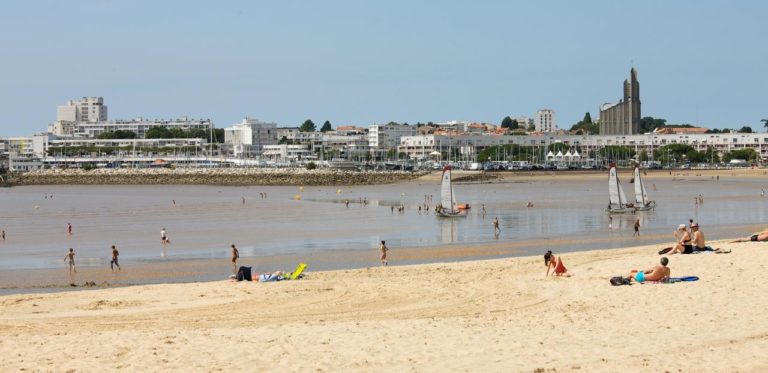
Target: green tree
643, 156
615, 152
178, 133
586, 126
285, 140
648, 124
308, 126
747, 154
159, 132
326, 127
765, 124
745, 129
506, 122
531, 128
514, 125
119, 134
587, 118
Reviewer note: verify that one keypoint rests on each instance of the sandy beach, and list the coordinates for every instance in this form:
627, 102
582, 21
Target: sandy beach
491, 315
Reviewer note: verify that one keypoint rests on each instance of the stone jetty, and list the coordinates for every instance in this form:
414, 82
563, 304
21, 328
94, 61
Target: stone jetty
212, 176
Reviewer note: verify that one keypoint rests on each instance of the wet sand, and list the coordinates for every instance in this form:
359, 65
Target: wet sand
494, 315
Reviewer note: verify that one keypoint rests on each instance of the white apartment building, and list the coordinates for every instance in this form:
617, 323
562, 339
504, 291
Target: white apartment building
545, 121
138, 126
422, 146
286, 153
249, 136
523, 122
86, 109
387, 136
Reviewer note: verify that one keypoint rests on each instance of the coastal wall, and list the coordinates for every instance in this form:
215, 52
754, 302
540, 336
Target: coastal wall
211, 176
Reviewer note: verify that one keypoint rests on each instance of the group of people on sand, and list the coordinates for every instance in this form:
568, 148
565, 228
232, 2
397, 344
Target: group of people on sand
660, 272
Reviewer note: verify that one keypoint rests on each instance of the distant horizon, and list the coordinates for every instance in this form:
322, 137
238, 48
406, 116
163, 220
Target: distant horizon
363, 64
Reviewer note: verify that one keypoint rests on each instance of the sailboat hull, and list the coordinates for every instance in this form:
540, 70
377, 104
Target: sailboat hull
449, 215
648, 207
623, 210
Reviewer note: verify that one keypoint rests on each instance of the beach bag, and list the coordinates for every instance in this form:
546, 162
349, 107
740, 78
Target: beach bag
618, 281
244, 274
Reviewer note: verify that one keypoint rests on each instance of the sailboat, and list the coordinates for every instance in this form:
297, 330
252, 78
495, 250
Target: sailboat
617, 199
642, 203
448, 207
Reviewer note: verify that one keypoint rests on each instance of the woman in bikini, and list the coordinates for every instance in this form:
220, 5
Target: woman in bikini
555, 263
684, 246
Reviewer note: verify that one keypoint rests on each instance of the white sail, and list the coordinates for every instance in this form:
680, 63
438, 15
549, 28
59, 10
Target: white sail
622, 196
447, 198
640, 196
613, 188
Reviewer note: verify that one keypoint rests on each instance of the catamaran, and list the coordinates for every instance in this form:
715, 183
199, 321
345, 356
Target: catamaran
642, 203
448, 207
617, 199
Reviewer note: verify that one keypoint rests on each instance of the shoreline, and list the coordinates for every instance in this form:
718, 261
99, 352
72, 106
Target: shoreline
498, 314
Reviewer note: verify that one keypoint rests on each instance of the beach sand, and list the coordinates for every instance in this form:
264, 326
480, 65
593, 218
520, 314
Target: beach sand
492, 315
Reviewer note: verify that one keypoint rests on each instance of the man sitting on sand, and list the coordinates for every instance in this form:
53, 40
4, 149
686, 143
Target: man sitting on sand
658, 273
759, 236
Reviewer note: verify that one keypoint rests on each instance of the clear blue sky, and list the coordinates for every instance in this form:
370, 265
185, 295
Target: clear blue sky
361, 62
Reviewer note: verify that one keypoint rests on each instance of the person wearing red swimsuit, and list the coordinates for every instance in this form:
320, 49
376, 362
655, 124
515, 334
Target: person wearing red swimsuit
556, 263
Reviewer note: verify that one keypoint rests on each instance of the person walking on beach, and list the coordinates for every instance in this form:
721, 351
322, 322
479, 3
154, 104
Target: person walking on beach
346, 202
2, 235
383, 248
637, 228
164, 237
69, 229
70, 257
496, 229
235, 256
114, 262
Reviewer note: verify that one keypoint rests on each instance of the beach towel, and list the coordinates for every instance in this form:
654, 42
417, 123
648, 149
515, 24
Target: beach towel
682, 279
244, 274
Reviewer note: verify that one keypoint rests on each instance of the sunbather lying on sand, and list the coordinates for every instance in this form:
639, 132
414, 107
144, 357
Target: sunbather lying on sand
658, 273
267, 277
759, 236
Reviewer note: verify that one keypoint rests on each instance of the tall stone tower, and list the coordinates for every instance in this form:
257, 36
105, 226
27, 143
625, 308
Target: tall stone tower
623, 118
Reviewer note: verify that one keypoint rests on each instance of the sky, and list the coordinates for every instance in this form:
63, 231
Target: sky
364, 62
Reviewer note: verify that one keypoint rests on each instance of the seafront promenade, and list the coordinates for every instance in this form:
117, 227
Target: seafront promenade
212, 176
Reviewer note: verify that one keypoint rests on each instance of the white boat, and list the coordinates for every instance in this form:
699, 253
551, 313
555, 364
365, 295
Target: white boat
642, 203
617, 200
448, 207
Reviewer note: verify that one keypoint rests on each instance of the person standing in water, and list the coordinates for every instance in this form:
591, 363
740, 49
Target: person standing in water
163, 236
637, 228
383, 248
114, 262
496, 228
235, 256
69, 229
70, 257
610, 223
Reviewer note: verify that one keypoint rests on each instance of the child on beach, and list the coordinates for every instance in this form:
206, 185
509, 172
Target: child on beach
70, 257
556, 263
384, 250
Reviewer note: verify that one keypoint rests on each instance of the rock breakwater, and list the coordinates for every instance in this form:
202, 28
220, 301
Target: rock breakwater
212, 176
